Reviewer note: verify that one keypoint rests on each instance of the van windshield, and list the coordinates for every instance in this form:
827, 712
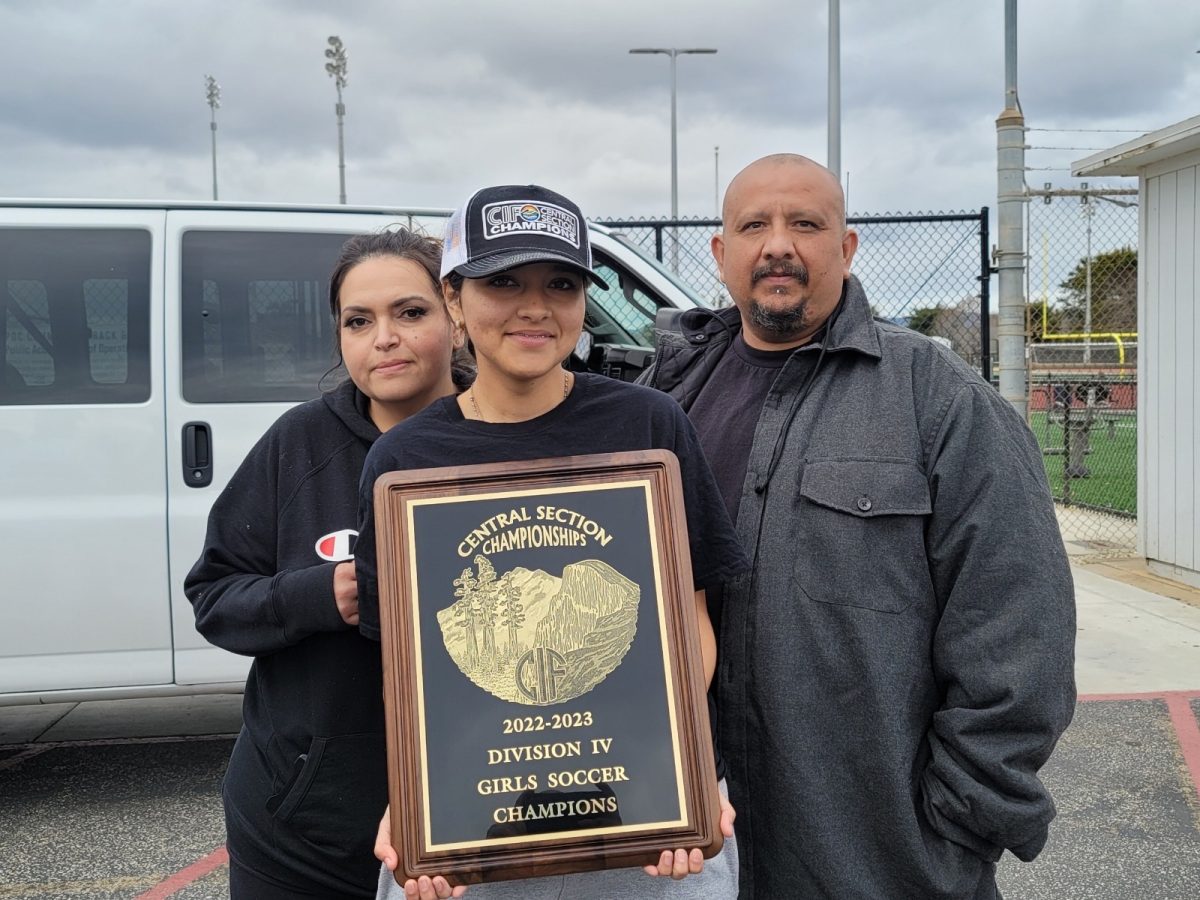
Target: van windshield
649, 257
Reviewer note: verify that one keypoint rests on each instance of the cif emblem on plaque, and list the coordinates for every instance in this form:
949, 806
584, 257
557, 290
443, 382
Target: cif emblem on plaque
534, 638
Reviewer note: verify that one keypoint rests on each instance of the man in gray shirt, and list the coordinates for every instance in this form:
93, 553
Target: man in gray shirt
898, 665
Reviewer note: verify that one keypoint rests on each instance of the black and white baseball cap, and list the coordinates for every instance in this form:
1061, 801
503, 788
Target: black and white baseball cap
513, 225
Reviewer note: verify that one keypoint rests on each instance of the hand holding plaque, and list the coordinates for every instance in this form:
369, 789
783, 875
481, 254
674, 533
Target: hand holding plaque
544, 690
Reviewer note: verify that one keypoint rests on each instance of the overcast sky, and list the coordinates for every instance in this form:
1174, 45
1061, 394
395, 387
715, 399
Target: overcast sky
106, 98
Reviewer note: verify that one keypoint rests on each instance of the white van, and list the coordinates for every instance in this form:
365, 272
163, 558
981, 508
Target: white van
144, 347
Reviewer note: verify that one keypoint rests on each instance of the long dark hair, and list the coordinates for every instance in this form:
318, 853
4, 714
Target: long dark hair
402, 244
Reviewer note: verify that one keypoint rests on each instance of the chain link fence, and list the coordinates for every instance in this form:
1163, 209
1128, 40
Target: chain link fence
1082, 325
930, 273
926, 272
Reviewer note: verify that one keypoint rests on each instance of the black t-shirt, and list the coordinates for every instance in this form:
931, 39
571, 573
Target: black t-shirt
601, 415
726, 412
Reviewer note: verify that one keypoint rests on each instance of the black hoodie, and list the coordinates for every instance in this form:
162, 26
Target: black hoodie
306, 783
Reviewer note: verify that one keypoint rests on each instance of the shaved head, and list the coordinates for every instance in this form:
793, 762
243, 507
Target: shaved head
779, 161
784, 250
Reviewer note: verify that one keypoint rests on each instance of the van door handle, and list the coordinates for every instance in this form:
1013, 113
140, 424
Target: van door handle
197, 454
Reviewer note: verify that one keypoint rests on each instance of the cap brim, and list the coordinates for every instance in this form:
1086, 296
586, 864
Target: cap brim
499, 262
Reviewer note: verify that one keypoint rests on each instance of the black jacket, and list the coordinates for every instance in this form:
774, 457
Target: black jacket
306, 783
899, 664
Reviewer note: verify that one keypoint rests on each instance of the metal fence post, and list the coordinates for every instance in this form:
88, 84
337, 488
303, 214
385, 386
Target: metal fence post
1010, 251
985, 297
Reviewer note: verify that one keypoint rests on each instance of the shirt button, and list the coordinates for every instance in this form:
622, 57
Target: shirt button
864, 503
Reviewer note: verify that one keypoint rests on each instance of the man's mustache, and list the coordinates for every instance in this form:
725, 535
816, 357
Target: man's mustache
792, 270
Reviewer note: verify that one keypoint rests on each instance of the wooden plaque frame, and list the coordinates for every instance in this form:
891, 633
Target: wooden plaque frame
665, 621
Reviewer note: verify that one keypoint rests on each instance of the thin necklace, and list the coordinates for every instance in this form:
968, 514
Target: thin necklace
479, 415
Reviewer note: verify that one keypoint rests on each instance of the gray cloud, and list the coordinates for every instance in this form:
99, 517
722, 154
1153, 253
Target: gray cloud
109, 99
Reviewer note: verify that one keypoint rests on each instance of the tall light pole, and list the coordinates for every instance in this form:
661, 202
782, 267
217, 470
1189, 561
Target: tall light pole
212, 91
674, 52
336, 67
1011, 197
717, 180
834, 113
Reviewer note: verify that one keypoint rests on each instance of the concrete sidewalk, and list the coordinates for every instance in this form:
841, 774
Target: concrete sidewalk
1131, 639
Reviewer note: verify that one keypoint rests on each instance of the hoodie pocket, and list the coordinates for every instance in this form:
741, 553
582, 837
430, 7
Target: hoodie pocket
860, 533
336, 791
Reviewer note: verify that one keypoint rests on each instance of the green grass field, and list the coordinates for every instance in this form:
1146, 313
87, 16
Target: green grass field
1112, 484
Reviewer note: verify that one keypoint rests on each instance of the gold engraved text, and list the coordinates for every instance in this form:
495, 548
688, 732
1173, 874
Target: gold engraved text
582, 777
555, 809
559, 750
507, 785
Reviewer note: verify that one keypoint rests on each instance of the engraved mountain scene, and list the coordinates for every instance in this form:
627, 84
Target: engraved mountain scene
530, 637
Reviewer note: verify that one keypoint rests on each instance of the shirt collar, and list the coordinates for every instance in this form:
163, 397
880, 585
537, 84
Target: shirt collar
855, 328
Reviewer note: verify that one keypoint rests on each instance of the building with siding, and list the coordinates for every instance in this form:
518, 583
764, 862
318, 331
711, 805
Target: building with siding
1167, 165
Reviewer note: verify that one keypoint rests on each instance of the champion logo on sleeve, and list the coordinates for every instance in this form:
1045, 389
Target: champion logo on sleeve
338, 546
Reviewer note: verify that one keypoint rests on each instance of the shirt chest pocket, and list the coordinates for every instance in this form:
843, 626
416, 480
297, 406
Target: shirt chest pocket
860, 533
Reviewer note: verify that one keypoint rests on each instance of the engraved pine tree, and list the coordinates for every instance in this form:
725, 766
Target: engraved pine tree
512, 613
464, 612
486, 591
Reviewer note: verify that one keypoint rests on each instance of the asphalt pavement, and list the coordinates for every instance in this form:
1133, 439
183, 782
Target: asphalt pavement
121, 799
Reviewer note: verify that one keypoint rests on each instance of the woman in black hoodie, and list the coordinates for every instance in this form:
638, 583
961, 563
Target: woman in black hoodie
306, 783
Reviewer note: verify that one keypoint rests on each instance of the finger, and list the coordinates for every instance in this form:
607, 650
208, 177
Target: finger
695, 861
410, 890
666, 861
352, 619
442, 887
727, 817
384, 851
679, 864
669, 858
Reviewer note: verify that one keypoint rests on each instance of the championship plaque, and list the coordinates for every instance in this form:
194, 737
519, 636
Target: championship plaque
543, 683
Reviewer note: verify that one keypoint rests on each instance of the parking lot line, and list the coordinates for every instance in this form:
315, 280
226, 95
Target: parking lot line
1183, 721
56, 890
186, 876
1188, 733
1145, 695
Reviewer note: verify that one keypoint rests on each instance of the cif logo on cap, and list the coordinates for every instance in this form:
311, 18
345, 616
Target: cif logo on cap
338, 546
524, 217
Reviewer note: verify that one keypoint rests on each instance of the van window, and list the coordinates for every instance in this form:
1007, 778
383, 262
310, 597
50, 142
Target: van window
74, 316
623, 314
256, 323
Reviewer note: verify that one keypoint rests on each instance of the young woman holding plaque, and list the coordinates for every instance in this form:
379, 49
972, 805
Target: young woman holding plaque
306, 781
519, 292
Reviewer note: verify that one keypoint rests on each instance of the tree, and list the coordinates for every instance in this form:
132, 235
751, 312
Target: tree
1054, 321
485, 606
956, 322
1114, 291
512, 613
924, 319
464, 612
